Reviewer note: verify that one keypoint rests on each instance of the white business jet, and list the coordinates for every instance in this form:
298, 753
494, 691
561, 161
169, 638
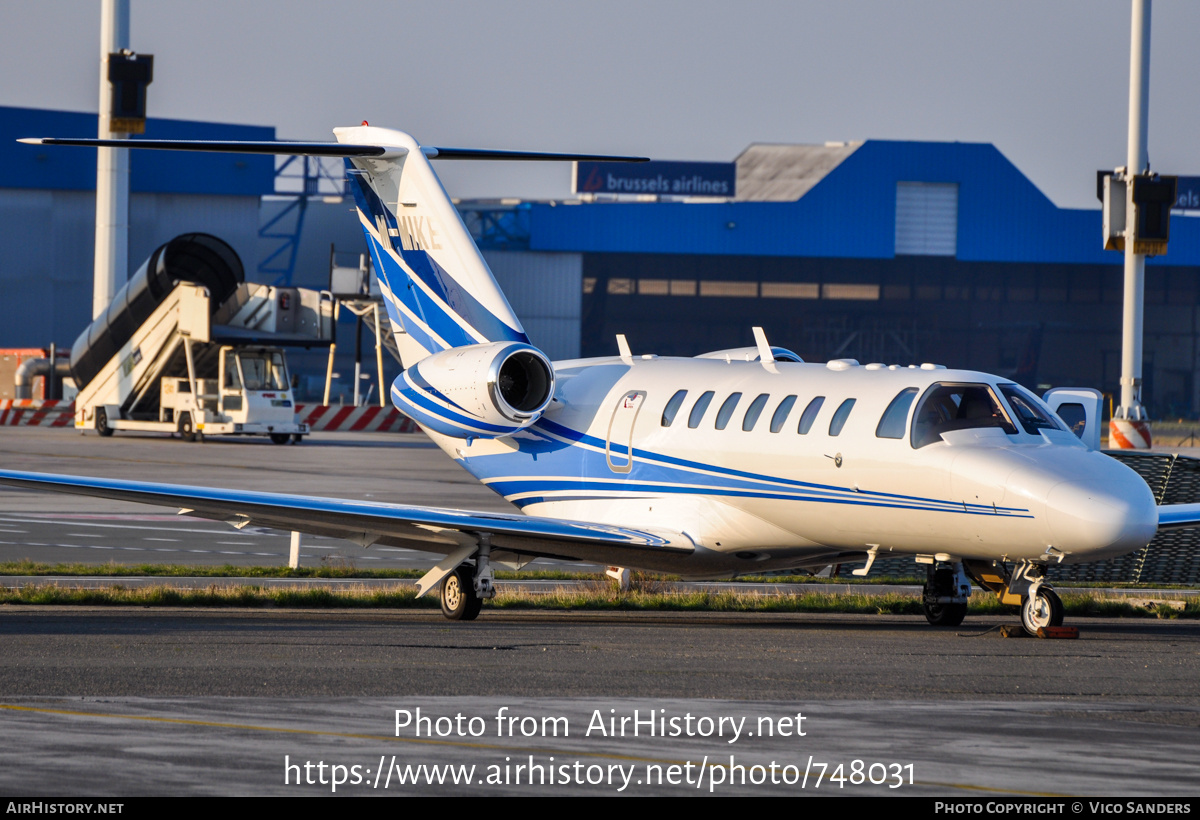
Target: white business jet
737, 461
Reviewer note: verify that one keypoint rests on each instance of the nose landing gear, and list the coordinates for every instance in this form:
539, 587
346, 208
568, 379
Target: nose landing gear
1024, 585
1041, 608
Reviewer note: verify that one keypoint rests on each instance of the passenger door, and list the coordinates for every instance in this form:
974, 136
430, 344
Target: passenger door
618, 446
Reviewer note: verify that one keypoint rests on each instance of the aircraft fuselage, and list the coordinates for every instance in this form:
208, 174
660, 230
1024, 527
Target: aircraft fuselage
801, 469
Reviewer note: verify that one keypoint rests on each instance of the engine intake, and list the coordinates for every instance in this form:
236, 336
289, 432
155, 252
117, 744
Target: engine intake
479, 391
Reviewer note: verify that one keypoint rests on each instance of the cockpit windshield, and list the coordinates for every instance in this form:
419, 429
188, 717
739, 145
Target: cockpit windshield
1032, 417
947, 407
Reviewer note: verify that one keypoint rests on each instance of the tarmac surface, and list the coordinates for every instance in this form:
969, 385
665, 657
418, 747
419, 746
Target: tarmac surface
133, 701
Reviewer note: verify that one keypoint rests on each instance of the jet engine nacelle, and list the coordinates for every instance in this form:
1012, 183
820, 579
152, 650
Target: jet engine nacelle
478, 391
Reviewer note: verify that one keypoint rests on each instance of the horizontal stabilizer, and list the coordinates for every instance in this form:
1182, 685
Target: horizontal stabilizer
535, 156
312, 149
325, 149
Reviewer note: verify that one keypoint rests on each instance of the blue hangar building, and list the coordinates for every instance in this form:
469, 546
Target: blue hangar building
881, 251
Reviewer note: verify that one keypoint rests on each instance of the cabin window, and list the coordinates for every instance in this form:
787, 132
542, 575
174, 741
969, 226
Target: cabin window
839, 417
781, 413
895, 419
810, 415
753, 412
1032, 417
948, 407
672, 407
727, 407
699, 408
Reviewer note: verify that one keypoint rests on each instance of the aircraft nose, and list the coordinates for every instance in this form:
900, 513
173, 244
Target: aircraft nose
1102, 518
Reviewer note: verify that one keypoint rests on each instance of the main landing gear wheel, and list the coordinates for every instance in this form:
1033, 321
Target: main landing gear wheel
1040, 610
944, 598
944, 614
459, 601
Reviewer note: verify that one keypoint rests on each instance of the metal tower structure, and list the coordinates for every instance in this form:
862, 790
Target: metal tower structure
297, 180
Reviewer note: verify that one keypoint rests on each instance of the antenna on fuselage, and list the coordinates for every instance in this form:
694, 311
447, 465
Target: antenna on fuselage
764, 350
623, 349
765, 355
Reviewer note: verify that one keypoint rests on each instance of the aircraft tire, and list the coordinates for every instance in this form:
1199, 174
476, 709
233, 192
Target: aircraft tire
102, 423
1043, 609
459, 601
945, 614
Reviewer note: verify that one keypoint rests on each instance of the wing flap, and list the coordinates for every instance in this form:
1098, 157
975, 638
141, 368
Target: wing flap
432, 529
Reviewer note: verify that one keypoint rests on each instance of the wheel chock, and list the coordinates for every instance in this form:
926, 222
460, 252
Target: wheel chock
1062, 632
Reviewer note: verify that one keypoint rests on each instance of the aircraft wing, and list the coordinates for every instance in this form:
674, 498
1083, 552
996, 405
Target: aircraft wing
432, 529
1178, 516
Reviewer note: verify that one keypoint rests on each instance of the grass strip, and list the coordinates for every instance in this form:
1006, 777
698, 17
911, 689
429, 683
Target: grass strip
600, 596
335, 569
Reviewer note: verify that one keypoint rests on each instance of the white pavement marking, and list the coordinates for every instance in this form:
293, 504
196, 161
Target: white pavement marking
209, 531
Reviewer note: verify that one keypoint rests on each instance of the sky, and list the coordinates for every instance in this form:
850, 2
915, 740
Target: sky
1046, 82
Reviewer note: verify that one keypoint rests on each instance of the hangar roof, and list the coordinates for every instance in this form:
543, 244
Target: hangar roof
784, 173
59, 168
849, 210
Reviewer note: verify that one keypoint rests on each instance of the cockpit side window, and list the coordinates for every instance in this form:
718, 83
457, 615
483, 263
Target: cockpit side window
1029, 412
947, 407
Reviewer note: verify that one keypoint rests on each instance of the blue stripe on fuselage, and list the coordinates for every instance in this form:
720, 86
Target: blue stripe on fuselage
542, 455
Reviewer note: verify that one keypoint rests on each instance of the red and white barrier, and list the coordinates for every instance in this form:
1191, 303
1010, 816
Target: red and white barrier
36, 413
324, 418
319, 417
1124, 434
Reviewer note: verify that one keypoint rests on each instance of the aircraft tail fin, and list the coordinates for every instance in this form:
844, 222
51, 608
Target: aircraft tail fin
437, 287
439, 291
